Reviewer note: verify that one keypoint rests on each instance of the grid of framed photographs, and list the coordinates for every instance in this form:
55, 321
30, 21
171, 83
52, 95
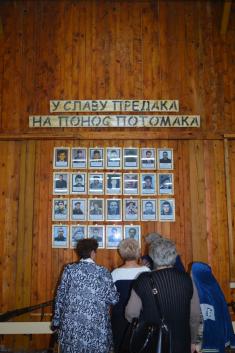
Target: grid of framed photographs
112, 184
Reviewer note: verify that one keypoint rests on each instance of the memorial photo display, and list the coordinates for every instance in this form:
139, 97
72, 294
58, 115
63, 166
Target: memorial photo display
103, 192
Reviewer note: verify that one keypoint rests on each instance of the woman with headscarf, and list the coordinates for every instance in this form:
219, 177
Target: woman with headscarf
217, 331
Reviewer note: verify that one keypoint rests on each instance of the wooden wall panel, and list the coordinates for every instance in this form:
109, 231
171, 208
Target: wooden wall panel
90, 49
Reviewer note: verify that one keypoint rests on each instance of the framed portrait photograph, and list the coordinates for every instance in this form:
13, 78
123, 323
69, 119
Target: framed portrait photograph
130, 183
133, 232
167, 210
78, 183
95, 209
149, 210
77, 232
96, 158
60, 183
113, 209
165, 158
78, 209
165, 183
148, 183
61, 157
60, 210
113, 158
131, 209
148, 158
96, 183
131, 158
97, 232
79, 157
60, 236
113, 236
113, 183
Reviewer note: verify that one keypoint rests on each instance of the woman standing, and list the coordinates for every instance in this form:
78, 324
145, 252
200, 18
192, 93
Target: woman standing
82, 304
123, 277
175, 291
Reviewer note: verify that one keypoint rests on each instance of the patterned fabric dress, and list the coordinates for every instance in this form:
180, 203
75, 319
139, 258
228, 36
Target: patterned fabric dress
82, 308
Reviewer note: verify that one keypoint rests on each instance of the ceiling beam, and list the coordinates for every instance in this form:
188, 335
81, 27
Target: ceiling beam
225, 16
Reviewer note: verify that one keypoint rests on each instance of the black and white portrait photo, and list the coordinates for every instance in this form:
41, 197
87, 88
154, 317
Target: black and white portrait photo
95, 209
133, 232
113, 209
165, 184
78, 209
113, 236
77, 232
61, 157
113, 158
78, 183
148, 209
131, 209
165, 158
130, 158
60, 236
96, 158
130, 183
113, 185
60, 210
79, 157
97, 232
166, 210
148, 158
148, 184
96, 183
60, 183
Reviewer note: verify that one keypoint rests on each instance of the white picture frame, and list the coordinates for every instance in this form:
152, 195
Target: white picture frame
165, 158
60, 209
148, 158
130, 183
149, 210
114, 234
148, 184
78, 183
130, 158
166, 184
113, 183
97, 232
113, 210
133, 231
60, 236
96, 158
60, 183
61, 157
166, 210
96, 209
78, 209
131, 209
95, 183
113, 158
77, 232
78, 157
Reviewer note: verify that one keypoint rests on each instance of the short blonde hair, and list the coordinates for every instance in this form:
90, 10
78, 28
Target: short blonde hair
129, 249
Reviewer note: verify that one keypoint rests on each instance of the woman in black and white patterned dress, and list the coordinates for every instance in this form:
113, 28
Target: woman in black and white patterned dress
82, 304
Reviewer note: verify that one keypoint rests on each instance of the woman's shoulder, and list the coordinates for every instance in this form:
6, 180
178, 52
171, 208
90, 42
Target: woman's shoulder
125, 273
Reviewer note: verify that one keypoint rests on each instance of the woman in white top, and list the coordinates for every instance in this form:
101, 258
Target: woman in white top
123, 277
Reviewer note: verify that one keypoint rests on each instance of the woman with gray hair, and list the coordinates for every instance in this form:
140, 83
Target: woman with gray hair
175, 293
123, 277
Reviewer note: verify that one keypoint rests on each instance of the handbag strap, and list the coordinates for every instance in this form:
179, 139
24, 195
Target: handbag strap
155, 294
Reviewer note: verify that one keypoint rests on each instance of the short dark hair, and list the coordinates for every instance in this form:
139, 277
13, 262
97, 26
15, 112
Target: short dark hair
85, 247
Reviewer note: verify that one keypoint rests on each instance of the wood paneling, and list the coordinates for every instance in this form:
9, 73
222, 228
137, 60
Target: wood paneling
98, 49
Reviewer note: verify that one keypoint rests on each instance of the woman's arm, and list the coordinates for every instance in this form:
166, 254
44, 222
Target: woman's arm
133, 307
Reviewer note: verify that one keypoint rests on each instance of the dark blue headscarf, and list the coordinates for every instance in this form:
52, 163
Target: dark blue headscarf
217, 325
